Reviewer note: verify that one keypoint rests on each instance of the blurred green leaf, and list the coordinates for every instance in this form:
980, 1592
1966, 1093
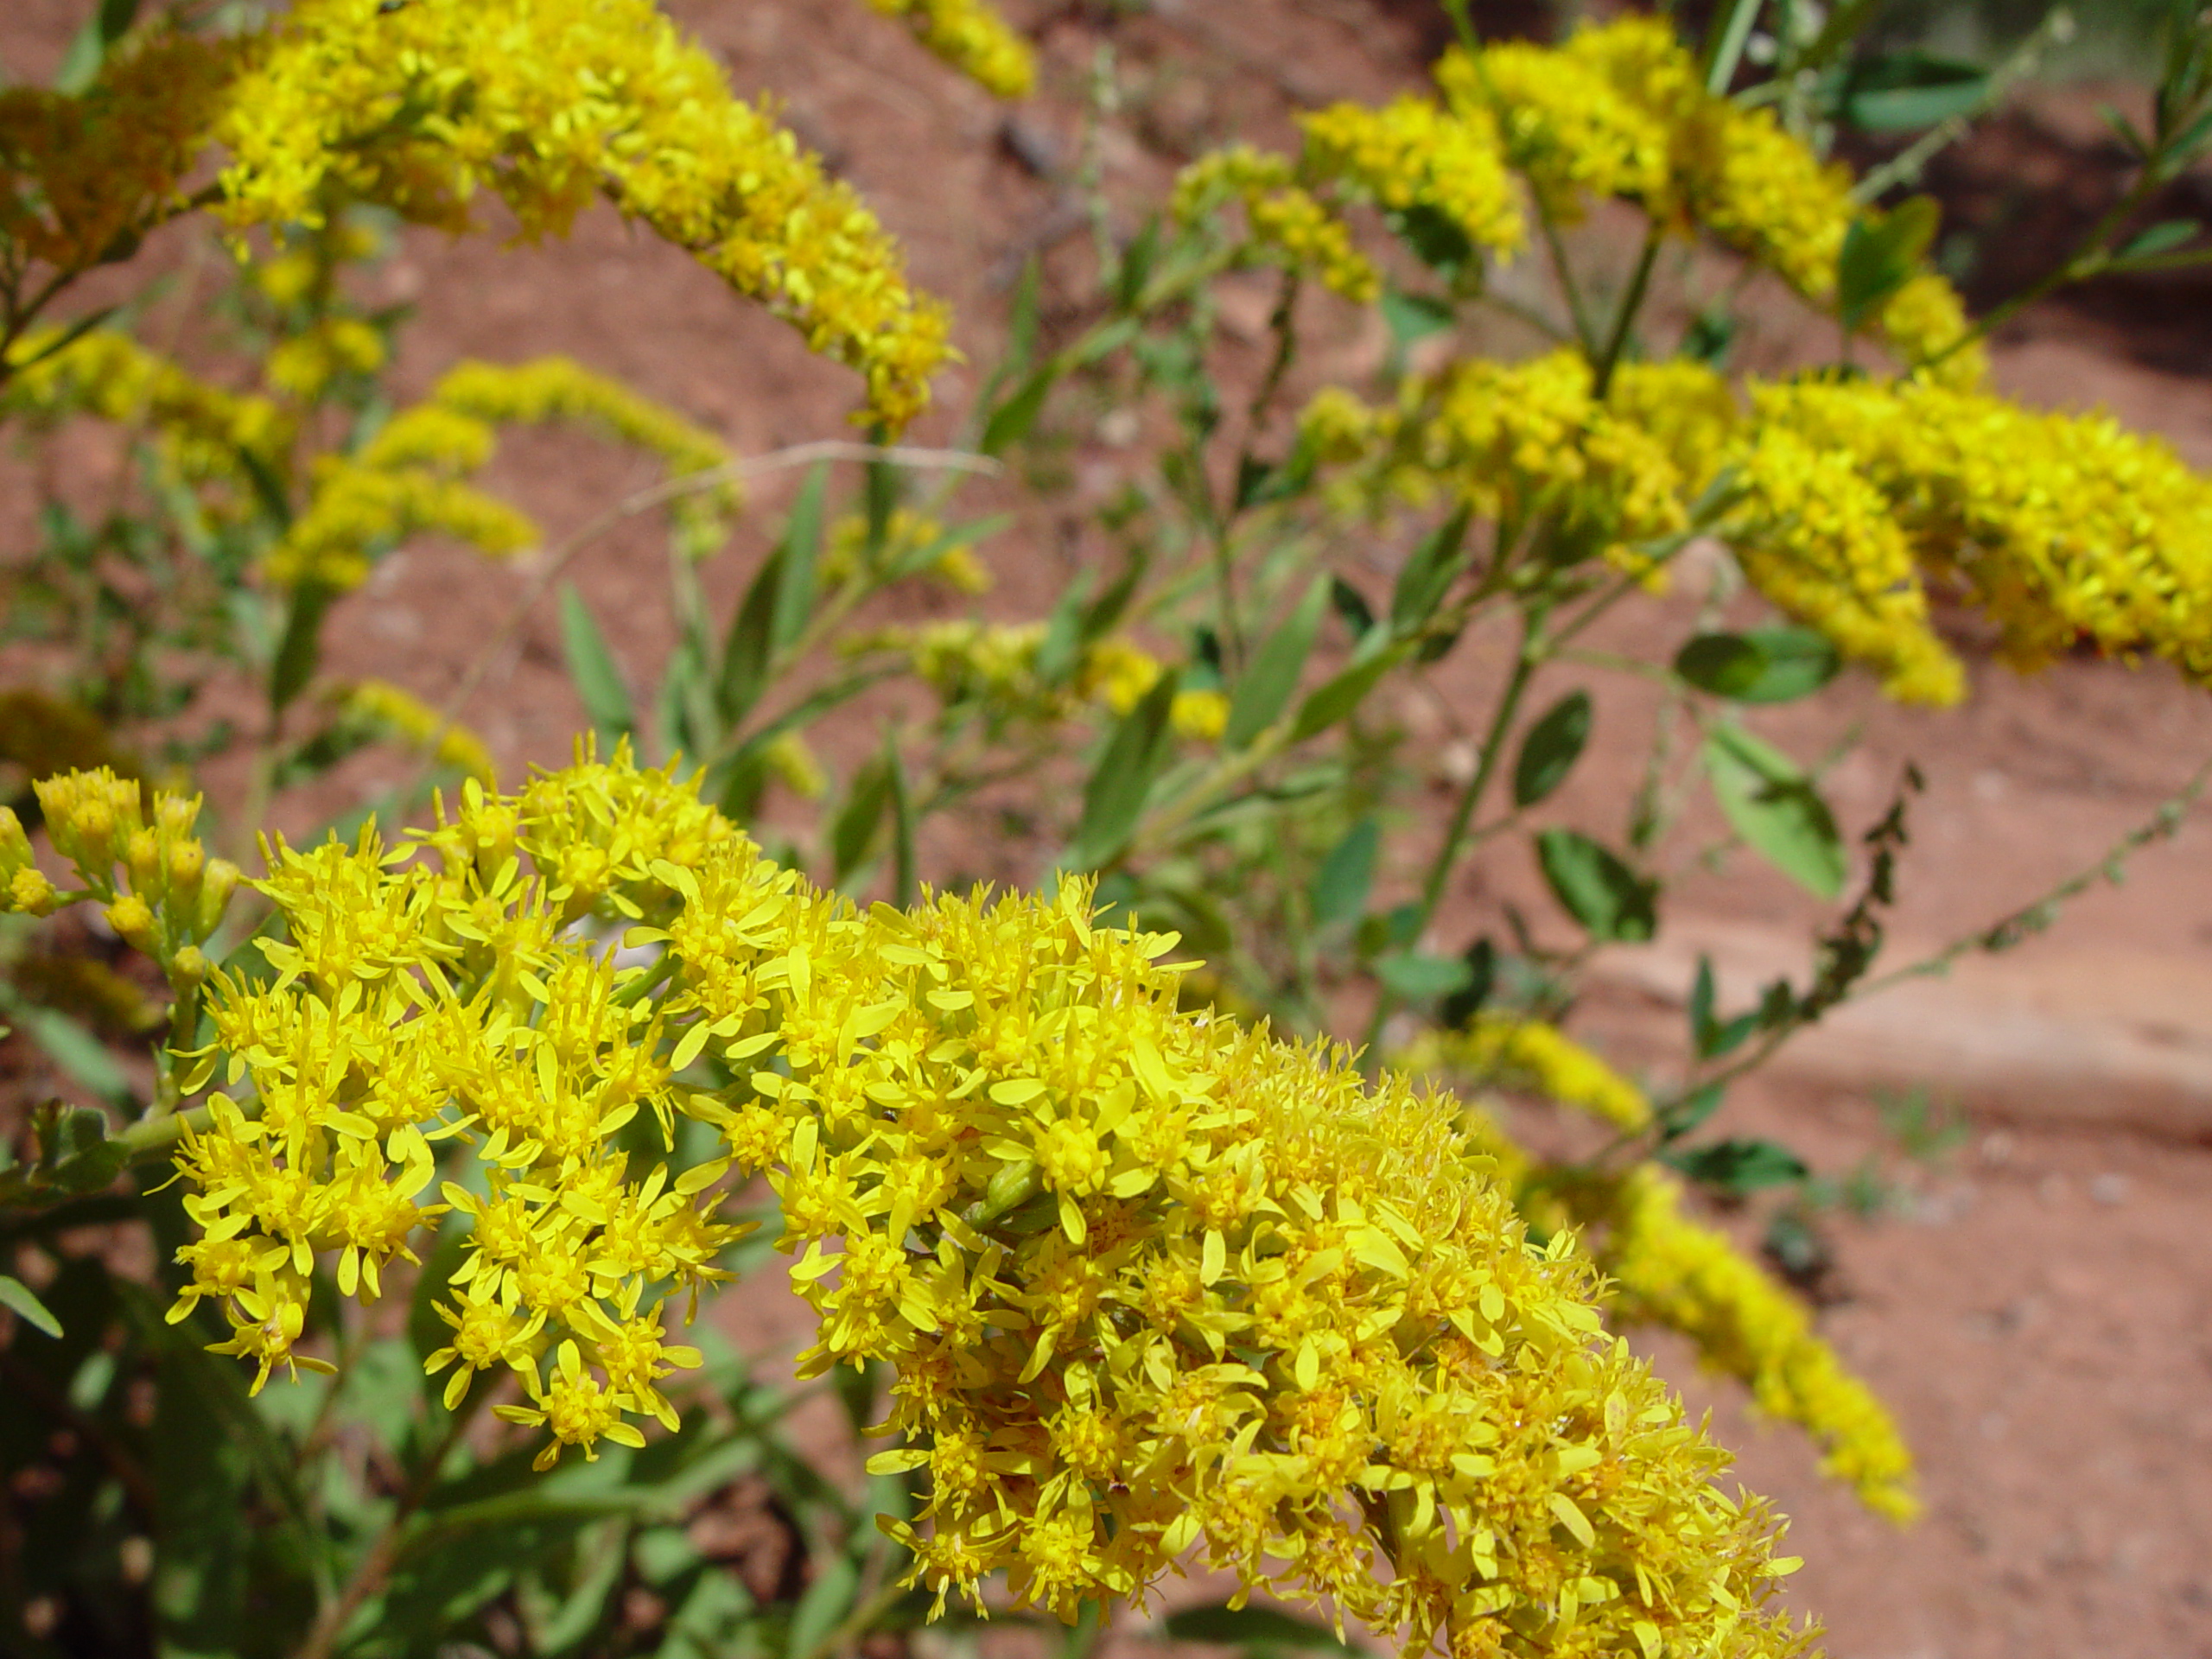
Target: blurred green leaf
854, 831
823, 1607
1351, 607
1737, 1166
1416, 978
1011, 420
1341, 885
2158, 238
1881, 253
1900, 91
1554, 744
299, 650
1427, 576
1412, 317
1114, 799
748, 646
592, 668
20, 1298
1775, 808
1336, 698
905, 863
1685, 1115
800, 550
1596, 888
1761, 665
1271, 680
80, 65
1255, 1630
1437, 239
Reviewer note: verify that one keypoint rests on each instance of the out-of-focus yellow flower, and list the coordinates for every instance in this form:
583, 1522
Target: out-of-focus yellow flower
1533, 1055
1414, 153
1287, 224
1201, 715
408, 716
793, 763
973, 38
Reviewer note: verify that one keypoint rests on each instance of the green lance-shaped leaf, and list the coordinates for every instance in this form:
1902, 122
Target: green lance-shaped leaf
1596, 888
855, 830
1902, 91
1114, 799
1775, 808
20, 1299
1554, 744
299, 651
1428, 575
1777, 664
1341, 885
749, 644
592, 667
800, 550
1268, 684
1881, 253
1335, 699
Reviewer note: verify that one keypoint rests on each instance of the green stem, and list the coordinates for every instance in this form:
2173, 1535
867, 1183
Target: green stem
1639, 284
1575, 310
1526, 661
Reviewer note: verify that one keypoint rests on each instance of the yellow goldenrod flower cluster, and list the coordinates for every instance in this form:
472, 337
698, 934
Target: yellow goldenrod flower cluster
1414, 153
1151, 1284
1510, 439
1663, 1269
394, 710
1621, 111
1669, 1270
993, 665
551, 104
204, 434
1287, 224
907, 537
303, 366
1536, 1056
973, 39
83, 177
410, 477
170, 895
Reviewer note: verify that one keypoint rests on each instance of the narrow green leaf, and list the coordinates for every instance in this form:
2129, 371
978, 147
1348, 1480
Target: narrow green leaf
1335, 699
71, 1046
1254, 1629
299, 653
592, 668
749, 646
1775, 808
1269, 682
1778, 664
1739, 1166
825, 1604
1011, 421
1114, 799
2159, 238
1428, 575
80, 65
800, 552
1351, 608
905, 878
855, 831
1685, 1115
1554, 744
1596, 888
1904, 90
1340, 886
20, 1298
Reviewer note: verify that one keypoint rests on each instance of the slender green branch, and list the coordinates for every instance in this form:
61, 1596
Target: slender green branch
1639, 284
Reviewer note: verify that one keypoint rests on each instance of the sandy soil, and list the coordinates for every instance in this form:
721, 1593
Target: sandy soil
2035, 1305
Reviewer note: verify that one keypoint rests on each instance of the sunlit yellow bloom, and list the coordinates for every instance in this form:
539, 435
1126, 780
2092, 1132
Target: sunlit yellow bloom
1150, 1283
1413, 153
551, 104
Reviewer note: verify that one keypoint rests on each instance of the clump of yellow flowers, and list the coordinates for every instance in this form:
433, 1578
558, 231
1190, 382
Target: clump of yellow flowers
1153, 1285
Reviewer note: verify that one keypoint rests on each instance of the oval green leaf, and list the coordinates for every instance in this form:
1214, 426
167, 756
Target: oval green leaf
1553, 746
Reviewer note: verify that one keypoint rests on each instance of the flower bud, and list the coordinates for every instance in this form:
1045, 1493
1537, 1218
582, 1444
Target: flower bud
189, 967
175, 814
29, 892
142, 856
217, 883
88, 839
14, 842
132, 918
185, 868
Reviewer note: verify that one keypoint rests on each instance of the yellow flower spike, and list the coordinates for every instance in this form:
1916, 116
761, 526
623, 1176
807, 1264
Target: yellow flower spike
554, 102
1303, 1335
1530, 1053
409, 717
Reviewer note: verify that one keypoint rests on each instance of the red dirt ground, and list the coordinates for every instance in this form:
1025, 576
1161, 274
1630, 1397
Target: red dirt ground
2038, 1305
